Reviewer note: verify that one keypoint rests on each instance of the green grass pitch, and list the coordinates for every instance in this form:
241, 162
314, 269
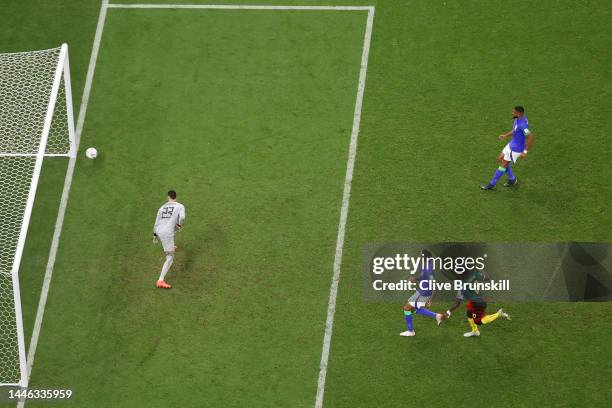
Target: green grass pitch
248, 115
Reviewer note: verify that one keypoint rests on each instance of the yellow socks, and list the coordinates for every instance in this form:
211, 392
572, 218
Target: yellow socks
489, 318
472, 325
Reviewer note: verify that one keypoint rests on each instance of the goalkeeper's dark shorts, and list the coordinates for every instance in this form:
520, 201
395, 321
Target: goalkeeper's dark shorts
476, 310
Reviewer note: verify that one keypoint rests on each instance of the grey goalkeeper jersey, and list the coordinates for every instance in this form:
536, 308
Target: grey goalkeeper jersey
168, 217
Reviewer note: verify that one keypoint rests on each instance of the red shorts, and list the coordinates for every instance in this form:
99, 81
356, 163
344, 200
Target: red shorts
476, 310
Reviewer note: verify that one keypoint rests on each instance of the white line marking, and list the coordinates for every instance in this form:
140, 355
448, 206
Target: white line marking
347, 181
49, 270
239, 7
65, 193
350, 165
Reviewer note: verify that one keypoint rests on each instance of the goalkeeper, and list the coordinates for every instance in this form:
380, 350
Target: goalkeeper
170, 219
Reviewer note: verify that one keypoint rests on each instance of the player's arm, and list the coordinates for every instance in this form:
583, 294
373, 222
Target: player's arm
433, 295
156, 223
157, 219
414, 277
529, 141
505, 135
454, 306
458, 300
430, 301
181, 219
431, 278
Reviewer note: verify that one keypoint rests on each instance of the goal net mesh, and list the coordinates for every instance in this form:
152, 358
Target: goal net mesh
26, 84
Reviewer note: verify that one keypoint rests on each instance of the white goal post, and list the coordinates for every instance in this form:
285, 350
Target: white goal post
36, 121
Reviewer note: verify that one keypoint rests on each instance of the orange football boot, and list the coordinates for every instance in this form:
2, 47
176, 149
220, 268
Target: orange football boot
163, 285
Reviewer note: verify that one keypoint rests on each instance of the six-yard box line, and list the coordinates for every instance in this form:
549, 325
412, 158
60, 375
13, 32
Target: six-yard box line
350, 165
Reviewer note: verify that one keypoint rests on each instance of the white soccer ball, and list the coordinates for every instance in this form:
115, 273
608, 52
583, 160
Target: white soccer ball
91, 153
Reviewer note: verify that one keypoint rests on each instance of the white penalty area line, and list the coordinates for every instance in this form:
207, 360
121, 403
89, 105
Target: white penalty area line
350, 166
65, 194
347, 181
239, 7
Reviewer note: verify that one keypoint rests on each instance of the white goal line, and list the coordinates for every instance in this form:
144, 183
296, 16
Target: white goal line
239, 7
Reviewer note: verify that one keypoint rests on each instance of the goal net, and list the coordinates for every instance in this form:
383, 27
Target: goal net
36, 121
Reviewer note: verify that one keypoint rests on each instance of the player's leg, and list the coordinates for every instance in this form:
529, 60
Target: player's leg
475, 311
422, 309
503, 159
501, 170
166, 266
409, 311
168, 244
417, 304
474, 329
512, 180
492, 317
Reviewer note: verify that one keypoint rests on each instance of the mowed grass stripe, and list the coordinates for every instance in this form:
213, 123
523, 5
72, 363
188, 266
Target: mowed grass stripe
248, 116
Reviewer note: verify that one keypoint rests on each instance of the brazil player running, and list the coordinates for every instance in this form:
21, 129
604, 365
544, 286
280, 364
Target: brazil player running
422, 298
170, 219
476, 307
521, 142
